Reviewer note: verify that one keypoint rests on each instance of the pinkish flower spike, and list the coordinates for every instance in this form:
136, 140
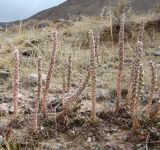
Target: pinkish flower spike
51, 66
16, 82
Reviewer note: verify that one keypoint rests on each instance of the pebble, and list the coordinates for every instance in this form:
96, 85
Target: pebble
4, 110
1, 139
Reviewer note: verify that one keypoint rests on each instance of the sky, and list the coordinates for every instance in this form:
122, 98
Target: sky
11, 10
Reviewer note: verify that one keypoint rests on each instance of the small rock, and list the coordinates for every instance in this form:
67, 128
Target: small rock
32, 79
46, 146
1, 139
3, 127
32, 42
89, 139
60, 21
11, 110
156, 52
42, 25
90, 134
69, 22
71, 133
158, 124
42, 128
82, 18
4, 110
28, 44
2, 29
28, 109
4, 74
102, 95
27, 53
59, 146
94, 146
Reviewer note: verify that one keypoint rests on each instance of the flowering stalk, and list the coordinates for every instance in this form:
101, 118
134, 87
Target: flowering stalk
121, 62
93, 75
133, 108
37, 102
140, 82
63, 81
152, 88
52, 63
69, 72
130, 87
64, 84
141, 33
138, 51
97, 38
16, 82
138, 55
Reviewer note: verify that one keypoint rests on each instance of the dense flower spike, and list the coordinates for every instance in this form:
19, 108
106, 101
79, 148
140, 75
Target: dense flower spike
139, 51
97, 38
138, 55
130, 86
141, 34
93, 75
64, 87
16, 82
121, 62
52, 63
69, 72
38, 98
140, 82
64, 82
153, 86
133, 108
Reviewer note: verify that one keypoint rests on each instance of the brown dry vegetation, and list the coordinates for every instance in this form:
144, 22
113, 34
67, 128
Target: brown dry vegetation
74, 130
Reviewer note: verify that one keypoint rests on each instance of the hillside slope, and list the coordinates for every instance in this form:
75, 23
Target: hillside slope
73, 7
89, 8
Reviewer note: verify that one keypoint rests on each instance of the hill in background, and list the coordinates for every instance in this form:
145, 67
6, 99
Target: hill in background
91, 8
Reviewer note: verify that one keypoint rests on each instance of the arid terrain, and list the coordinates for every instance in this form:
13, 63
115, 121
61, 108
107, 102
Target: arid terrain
79, 77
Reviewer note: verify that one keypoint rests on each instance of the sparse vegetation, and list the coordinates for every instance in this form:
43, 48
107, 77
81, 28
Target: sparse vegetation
116, 97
